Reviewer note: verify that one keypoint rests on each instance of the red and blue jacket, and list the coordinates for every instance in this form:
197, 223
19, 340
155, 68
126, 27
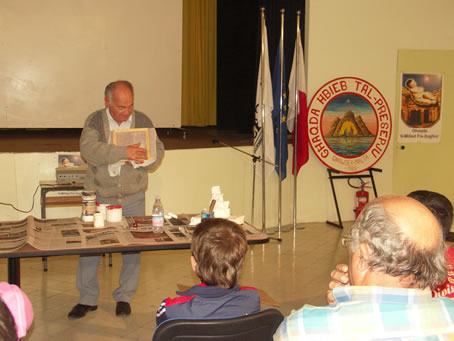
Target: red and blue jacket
209, 302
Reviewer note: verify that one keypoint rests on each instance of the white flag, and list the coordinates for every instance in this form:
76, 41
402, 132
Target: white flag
267, 103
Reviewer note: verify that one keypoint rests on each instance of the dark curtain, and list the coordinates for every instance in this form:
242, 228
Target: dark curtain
238, 53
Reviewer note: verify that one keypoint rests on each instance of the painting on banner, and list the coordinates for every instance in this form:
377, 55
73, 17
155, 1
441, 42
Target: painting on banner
420, 107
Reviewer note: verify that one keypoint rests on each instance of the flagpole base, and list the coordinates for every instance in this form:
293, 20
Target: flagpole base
275, 229
298, 227
335, 224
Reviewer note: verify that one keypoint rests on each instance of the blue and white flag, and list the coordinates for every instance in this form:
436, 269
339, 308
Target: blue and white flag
280, 102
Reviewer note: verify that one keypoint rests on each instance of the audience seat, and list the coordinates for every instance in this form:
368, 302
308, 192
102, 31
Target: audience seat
259, 326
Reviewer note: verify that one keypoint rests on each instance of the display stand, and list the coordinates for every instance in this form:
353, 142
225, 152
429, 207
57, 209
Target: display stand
60, 201
348, 176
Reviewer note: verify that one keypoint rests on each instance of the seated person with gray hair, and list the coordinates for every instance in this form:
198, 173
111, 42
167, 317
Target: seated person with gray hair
396, 254
442, 209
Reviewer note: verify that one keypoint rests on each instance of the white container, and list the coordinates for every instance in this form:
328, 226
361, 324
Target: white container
102, 208
114, 213
98, 220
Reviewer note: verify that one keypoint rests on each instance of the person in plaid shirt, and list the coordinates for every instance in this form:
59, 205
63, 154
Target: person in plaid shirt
442, 209
396, 255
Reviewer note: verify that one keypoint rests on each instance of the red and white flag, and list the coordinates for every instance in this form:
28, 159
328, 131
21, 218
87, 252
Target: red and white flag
297, 87
264, 137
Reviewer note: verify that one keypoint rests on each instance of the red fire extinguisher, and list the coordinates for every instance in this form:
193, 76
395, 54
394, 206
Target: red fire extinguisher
362, 198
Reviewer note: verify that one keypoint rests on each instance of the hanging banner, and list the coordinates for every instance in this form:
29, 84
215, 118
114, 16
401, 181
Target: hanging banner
349, 124
420, 107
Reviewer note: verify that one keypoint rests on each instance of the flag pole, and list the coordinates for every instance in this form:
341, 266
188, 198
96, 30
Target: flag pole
262, 65
253, 194
281, 52
295, 129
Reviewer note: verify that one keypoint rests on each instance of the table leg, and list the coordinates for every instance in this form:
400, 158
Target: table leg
43, 203
43, 216
14, 271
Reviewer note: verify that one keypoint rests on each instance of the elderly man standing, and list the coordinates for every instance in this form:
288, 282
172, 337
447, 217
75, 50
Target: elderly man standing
115, 183
396, 254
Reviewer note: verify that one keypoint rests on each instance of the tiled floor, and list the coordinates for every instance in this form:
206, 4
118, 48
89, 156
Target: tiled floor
293, 272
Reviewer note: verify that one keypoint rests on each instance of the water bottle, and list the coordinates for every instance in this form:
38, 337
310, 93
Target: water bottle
157, 215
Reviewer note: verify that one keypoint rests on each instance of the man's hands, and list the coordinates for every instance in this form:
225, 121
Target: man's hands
135, 153
339, 278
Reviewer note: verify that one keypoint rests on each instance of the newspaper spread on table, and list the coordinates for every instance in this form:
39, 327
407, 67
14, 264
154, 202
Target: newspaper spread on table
72, 233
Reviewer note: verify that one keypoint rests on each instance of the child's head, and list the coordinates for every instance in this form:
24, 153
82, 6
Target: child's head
19, 306
7, 324
218, 249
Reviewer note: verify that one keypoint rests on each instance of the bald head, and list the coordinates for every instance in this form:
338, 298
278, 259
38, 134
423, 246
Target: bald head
399, 237
415, 220
119, 99
121, 84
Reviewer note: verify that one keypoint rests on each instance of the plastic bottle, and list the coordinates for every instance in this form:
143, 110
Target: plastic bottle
157, 215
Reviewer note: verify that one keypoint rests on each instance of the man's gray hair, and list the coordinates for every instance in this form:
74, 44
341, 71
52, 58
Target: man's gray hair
111, 87
393, 253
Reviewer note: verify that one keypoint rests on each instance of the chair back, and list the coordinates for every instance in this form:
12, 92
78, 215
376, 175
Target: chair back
254, 327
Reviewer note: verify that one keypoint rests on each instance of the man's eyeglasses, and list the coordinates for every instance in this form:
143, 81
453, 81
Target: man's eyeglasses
346, 240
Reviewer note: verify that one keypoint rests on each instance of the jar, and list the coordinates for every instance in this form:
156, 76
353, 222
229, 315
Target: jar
88, 205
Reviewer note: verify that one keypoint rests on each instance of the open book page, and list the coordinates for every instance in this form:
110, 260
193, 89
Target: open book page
146, 137
13, 234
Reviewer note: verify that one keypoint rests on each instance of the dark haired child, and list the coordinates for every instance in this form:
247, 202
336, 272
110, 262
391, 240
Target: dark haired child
218, 250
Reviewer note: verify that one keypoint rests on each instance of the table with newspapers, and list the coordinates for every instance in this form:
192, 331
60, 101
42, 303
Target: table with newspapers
33, 237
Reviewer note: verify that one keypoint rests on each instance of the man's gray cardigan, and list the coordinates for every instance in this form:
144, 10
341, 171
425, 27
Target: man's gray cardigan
99, 153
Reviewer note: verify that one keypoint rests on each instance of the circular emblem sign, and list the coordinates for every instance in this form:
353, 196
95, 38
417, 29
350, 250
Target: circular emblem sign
349, 124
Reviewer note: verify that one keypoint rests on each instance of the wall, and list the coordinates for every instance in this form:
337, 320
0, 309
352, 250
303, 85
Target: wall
362, 39
58, 55
427, 165
184, 182
344, 38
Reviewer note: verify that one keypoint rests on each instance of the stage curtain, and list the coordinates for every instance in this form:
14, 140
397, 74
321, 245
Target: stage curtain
198, 103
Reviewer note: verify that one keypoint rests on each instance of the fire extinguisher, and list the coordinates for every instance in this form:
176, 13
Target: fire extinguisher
362, 198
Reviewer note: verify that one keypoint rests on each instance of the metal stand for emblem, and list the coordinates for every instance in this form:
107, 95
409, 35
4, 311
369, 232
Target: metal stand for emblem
348, 176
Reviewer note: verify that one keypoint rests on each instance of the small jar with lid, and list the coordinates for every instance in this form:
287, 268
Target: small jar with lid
88, 205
